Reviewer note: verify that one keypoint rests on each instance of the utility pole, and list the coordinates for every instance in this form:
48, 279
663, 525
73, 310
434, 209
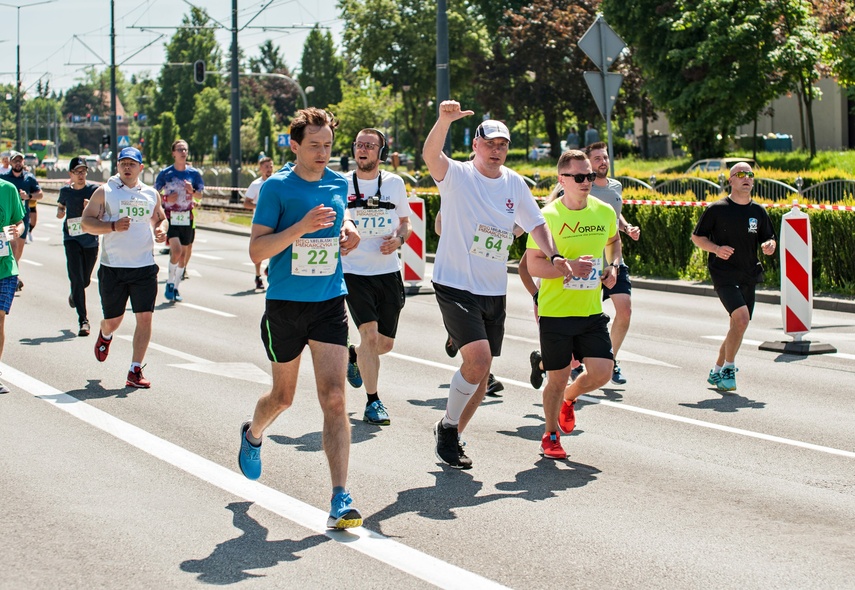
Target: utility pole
235, 139
443, 78
114, 140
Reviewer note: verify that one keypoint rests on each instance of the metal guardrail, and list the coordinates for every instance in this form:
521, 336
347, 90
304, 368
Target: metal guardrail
700, 187
830, 191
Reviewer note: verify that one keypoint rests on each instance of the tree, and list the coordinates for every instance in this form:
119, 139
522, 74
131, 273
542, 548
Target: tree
210, 118
265, 130
707, 63
321, 68
367, 104
837, 19
281, 94
193, 41
169, 131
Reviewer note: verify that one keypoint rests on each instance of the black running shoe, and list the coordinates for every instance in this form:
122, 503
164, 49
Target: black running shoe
536, 377
450, 348
494, 386
448, 449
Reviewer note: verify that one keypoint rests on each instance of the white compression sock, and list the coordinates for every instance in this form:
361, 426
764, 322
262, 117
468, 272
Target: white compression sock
171, 278
458, 396
179, 274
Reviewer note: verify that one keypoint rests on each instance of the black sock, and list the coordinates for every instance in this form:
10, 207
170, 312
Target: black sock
372, 397
351, 354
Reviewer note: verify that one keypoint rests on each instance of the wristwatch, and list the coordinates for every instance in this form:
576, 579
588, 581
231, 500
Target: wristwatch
554, 256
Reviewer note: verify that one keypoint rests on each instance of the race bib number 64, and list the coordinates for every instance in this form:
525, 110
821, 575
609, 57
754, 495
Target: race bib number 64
314, 256
491, 243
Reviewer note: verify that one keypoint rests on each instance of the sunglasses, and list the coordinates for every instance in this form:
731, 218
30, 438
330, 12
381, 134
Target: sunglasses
742, 174
364, 145
580, 178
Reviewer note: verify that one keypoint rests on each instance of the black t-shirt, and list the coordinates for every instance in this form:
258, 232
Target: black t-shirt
743, 228
73, 201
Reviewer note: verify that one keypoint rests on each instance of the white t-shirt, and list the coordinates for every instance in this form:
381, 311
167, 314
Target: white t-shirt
132, 248
612, 194
473, 205
253, 189
367, 260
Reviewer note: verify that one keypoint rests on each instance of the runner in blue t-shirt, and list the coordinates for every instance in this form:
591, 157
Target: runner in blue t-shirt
181, 186
299, 224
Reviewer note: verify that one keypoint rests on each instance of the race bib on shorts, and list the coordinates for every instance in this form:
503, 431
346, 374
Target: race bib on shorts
75, 226
314, 256
492, 243
373, 223
137, 209
179, 218
592, 281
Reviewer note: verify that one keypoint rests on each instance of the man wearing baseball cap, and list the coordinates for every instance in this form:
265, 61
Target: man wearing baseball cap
482, 203
130, 216
29, 189
81, 249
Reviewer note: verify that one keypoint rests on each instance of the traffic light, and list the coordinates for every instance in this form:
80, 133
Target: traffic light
88, 117
199, 71
136, 116
105, 140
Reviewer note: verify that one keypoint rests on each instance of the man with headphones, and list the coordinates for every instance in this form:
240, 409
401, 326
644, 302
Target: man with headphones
377, 204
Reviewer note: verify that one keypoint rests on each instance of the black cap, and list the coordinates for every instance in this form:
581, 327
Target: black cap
77, 162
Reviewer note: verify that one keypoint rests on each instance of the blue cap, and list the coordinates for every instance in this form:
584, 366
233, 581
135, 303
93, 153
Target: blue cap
132, 153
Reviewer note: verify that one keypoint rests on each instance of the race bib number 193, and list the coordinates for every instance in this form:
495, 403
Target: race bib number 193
314, 256
491, 243
138, 210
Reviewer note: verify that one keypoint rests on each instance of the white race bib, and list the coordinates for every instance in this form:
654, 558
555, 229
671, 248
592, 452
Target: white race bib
179, 218
373, 223
5, 241
492, 243
314, 256
137, 209
592, 281
75, 226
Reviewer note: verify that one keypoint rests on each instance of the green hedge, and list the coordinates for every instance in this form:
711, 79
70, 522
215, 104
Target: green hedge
666, 249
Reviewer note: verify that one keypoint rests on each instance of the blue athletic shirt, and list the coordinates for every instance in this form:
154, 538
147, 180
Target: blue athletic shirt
283, 201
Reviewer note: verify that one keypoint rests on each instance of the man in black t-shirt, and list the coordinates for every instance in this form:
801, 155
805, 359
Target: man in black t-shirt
731, 230
81, 249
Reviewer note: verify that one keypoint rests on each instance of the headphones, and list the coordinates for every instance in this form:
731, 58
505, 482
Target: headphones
384, 149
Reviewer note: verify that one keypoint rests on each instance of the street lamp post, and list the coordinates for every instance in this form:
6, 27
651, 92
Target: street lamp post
18, 69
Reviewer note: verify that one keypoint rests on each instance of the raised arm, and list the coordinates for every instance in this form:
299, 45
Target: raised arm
434, 157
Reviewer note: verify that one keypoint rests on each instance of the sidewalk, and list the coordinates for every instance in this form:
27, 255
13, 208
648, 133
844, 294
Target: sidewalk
216, 221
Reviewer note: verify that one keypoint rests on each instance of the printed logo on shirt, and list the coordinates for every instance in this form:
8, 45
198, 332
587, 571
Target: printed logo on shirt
752, 225
510, 205
582, 229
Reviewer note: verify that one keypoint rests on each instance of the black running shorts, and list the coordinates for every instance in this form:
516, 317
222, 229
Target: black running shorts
582, 337
622, 285
377, 298
186, 234
469, 317
117, 285
287, 326
735, 296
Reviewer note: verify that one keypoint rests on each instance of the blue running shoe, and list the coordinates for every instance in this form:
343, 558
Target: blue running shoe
342, 516
375, 413
249, 458
170, 292
353, 376
176, 295
728, 379
617, 376
714, 379
574, 373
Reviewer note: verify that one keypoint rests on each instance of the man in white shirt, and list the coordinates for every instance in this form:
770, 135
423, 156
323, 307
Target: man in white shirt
377, 203
481, 202
250, 200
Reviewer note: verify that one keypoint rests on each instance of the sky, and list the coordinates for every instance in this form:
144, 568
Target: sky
59, 40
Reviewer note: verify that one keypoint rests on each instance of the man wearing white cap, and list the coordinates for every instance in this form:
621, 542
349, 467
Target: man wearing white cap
481, 203
130, 216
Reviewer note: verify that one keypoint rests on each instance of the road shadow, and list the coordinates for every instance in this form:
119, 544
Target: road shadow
247, 292
311, 442
63, 336
361, 431
230, 560
728, 403
548, 477
435, 403
611, 395
94, 390
535, 431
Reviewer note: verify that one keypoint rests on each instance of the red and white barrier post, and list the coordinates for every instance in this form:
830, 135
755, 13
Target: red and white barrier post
796, 250
414, 251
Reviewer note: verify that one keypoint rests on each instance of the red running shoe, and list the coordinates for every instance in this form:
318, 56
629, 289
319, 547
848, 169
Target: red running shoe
136, 379
567, 417
550, 446
102, 347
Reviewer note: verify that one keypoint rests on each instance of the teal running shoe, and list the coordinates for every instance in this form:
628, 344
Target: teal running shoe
714, 379
249, 458
353, 376
728, 379
375, 413
342, 515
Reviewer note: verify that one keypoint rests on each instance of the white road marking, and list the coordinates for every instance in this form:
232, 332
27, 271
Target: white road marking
840, 355
624, 355
406, 559
242, 371
206, 256
33, 262
170, 351
673, 417
207, 309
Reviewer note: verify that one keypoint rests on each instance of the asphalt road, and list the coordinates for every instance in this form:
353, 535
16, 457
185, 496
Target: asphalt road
668, 484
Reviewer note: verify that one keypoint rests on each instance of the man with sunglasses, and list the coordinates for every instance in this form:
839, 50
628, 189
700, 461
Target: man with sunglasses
377, 203
180, 184
81, 248
481, 202
731, 230
572, 322
610, 192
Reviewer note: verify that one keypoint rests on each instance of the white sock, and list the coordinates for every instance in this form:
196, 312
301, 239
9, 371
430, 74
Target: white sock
458, 396
179, 273
171, 278
717, 369
134, 366
728, 365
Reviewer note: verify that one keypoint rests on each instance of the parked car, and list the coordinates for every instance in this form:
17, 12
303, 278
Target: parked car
31, 160
93, 162
717, 164
49, 163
